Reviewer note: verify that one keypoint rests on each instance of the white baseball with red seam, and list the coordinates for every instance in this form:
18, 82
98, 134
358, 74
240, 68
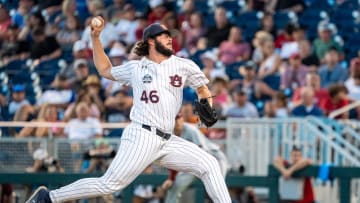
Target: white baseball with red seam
96, 22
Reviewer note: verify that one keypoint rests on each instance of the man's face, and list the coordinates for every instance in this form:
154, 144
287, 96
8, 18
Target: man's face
163, 44
296, 156
240, 98
325, 35
82, 112
18, 96
82, 72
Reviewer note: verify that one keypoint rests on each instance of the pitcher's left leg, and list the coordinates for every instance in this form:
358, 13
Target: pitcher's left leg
184, 156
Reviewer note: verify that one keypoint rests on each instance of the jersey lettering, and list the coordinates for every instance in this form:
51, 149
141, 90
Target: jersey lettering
152, 97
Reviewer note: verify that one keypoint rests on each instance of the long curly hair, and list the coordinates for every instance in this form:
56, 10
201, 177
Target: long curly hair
142, 48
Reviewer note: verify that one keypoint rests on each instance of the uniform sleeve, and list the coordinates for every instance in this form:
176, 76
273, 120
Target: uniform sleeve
196, 78
123, 72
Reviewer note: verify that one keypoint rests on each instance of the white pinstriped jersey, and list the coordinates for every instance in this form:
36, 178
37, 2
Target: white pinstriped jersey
158, 88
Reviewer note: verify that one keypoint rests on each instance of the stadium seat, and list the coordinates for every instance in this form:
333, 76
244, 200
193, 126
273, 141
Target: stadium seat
281, 19
247, 19
115, 133
232, 70
232, 6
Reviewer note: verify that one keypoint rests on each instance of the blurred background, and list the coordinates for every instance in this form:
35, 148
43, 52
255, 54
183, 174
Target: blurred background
285, 76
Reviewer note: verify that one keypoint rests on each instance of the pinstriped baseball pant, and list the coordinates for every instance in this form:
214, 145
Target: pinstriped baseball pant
138, 149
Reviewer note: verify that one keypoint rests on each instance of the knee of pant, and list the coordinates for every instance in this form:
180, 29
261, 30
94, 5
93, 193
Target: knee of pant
111, 185
209, 165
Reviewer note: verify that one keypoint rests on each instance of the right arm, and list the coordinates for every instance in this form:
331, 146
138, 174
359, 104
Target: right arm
101, 61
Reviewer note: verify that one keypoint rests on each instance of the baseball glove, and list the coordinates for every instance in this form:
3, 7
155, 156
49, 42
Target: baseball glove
206, 114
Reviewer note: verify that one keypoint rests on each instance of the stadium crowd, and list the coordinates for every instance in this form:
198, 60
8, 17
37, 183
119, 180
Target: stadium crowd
263, 58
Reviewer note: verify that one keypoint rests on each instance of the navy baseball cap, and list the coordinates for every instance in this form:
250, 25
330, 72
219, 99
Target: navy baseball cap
154, 30
18, 88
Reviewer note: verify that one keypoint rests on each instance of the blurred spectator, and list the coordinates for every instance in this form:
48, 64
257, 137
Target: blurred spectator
107, 36
187, 10
210, 68
294, 75
308, 58
93, 87
220, 32
47, 113
117, 56
147, 193
307, 106
118, 107
325, 41
68, 9
99, 156
234, 49
127, 25
187, 111
71, 33
22, 12
352, 84
94, 7
241, 107
338, 99
277, 108
18, 99
59, 94
313, 82
43, 162
5, 21
332, 72
82, 72
115, 7
34, 21
12, 48
44, 47
158, 11
193, 30
296, 6
291, 47
83, 96
81, 50
258, 42
286, 36
297, 162
219, 88
51, 11
83, 127
142, 23
171, 22
271, 61
267, 24
6, 193
255, 89
81, 56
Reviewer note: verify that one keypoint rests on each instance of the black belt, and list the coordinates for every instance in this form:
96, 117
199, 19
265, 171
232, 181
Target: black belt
166, 136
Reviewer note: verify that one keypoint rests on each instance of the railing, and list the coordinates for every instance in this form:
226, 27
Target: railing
344, 109
344, 175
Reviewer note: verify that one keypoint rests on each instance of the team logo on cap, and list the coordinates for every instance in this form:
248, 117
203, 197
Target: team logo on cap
147, 78
176, 80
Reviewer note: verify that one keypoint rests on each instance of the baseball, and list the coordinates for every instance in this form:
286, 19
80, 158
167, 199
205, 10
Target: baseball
96, 22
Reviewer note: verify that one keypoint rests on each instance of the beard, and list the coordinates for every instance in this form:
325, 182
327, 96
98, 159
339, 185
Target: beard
162, 49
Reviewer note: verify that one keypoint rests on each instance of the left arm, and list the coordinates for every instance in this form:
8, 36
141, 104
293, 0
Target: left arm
299, 165
204, 92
